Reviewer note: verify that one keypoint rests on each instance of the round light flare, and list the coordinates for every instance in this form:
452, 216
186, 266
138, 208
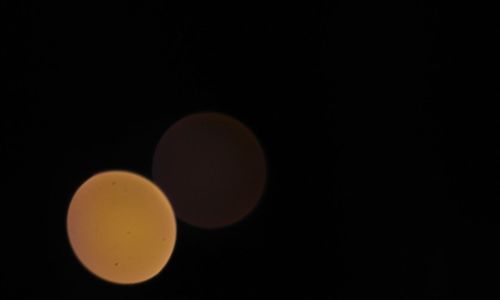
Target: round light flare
121, 227
213, 169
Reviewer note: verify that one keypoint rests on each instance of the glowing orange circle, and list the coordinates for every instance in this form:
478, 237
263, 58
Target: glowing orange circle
121, 227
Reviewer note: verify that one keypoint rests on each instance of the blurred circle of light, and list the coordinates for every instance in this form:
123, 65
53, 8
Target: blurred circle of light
121, 227
212, 168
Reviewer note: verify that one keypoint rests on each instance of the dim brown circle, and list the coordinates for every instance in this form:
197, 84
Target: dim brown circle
212, 168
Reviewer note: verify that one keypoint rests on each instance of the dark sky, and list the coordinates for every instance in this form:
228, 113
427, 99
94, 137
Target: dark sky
378, 123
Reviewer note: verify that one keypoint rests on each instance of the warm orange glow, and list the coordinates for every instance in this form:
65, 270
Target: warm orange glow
121, 227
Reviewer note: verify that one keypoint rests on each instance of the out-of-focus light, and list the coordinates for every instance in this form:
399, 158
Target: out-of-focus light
121, 227
212, 168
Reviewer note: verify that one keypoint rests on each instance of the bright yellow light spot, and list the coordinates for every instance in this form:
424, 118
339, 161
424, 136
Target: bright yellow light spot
121, 227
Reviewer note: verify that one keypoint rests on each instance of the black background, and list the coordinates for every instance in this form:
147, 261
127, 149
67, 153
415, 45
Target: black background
378, 123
